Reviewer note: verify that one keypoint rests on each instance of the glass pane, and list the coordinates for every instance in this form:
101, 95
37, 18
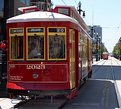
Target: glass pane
56, 47
63, 11
1, 8
16, 47
36, 47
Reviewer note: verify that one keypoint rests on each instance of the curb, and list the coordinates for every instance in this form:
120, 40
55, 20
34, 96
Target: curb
118, 94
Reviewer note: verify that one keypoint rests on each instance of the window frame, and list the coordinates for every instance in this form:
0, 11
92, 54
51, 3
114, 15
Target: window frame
59, 34
17, 35
30, 35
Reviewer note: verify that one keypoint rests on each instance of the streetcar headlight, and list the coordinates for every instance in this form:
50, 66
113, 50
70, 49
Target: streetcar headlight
35, 75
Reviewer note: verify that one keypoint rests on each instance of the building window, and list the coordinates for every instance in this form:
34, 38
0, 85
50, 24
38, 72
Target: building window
1, 8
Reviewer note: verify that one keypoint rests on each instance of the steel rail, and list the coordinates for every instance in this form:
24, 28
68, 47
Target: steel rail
99, 67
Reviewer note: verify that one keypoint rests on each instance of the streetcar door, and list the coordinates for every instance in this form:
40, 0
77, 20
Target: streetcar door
72, 59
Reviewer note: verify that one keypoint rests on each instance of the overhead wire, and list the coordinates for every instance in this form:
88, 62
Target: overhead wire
117, 27
75, 2
110, 27
64, 2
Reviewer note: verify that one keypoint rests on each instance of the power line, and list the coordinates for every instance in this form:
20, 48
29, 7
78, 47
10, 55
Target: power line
76, 2
111, 27
63, 2
66, 4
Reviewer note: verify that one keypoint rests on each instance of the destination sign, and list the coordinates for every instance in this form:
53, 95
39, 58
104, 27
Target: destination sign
63, 11
16, 31
34, 30
58, 30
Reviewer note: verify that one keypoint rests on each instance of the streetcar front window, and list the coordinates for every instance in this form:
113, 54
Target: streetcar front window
16, 43
56, 43
56, 47
35, 43
16, 47
36, 47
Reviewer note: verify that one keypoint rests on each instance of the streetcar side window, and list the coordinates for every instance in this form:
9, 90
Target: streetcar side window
85, 48
16, 44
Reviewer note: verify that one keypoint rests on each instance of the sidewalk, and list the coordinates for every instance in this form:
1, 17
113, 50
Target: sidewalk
118, 91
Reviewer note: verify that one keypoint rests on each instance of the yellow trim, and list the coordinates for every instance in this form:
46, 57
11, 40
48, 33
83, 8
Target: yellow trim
58, 33
72, 60
30, 35
37, 33
18, 35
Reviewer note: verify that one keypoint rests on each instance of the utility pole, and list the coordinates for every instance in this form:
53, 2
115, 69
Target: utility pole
97, 47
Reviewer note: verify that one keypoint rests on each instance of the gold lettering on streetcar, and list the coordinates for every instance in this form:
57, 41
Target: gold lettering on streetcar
37, 66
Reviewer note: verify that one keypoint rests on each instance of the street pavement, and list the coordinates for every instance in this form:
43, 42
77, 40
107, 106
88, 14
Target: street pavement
117, 73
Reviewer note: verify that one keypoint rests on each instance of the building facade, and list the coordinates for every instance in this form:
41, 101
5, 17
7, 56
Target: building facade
96, 34
1, 18
95, 31
8, 8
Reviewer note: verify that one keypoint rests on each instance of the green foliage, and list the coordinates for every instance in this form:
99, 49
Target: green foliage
116, 49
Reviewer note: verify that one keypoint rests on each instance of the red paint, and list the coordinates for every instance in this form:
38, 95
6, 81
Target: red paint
47, 74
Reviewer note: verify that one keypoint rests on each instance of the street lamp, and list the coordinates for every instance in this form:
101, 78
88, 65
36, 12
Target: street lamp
80, 10
97, 46
99, 40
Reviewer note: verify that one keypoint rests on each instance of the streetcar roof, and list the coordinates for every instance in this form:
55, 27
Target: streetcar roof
40, 16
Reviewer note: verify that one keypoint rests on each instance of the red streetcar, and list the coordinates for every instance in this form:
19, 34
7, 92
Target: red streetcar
105, 55
49, 53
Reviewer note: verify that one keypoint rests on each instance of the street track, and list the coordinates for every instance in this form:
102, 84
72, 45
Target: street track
111, 71
6, 103
98, 65
41, 103
102, 67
